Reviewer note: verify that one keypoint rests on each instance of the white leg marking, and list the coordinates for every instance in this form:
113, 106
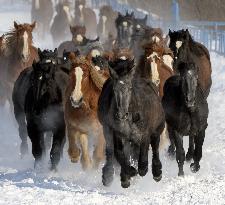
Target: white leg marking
37, 4
104, 19
67, 11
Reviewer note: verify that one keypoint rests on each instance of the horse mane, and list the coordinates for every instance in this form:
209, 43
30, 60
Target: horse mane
197, 48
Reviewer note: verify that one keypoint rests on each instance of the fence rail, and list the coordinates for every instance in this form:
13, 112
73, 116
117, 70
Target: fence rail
208, 33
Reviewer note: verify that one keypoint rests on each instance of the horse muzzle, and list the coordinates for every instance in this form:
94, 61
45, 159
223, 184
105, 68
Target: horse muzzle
76, 103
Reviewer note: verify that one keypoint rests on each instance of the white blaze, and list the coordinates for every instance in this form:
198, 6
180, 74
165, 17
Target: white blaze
95, 53
77, 93
154, 69
37, 4
79, 38
104, 19
123, 58
81, 14
178, 44
97, 68
156, 39
168, 60
125, 24
67, 11
25, 51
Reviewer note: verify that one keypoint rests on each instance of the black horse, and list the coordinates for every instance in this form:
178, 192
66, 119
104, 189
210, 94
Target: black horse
132, 117
186, 50
37, 86
186, 111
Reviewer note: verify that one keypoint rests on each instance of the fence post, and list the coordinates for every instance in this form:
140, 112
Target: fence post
175, 14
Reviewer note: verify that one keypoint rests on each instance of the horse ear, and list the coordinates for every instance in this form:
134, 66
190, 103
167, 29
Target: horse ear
71, 29
146, 18
132, 14
56, 51
33, 25
39, 52
16, 25
167, 40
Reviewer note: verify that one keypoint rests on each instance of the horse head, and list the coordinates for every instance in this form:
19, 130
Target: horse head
43, 73
125, 28
20, 40
179, 44
189, 83
78, 33
122, 71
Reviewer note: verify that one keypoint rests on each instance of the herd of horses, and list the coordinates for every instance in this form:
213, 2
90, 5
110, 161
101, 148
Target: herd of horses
122, 92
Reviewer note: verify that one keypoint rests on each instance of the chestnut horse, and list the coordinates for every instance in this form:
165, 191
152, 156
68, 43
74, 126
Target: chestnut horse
81, 104
20, 53
155, 68
86, 17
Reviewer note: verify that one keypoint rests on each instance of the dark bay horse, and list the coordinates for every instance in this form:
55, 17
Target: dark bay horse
86, 17
81, 104
106, 25
20, 53
43, 108
42, 12
132, 117
61, 24
186, 111
186, 50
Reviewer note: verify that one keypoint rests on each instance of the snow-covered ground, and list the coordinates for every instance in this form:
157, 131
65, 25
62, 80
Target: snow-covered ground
21, 184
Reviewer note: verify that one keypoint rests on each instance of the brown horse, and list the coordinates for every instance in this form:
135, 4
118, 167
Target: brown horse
81, 104
106, 26
154, 65
42, 12
20, 53
87, 17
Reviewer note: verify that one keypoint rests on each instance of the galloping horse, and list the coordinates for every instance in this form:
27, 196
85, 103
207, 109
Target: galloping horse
186, 50
186, 110
43, 108
60, 26
21, 87
42, 12
20, 53
106, 25
86, 17
132, 117
81, 104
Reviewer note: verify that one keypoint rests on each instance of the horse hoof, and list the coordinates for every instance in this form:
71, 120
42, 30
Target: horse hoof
189, 157
157, 179
125, 184
142, 171
53, 168
194, 167
181, 174
74, 160
23, 149
132, 171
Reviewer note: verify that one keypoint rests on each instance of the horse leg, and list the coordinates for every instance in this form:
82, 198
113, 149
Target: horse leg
180, 153
190, 152
20, 118
35, 136
73, 150
171, 149
85, 158
143, 159
156, 163
98, 154
48, 140
108, 169
122, 153
58, 140
199, 140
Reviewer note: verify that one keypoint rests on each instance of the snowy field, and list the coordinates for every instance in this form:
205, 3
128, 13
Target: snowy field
21, 184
